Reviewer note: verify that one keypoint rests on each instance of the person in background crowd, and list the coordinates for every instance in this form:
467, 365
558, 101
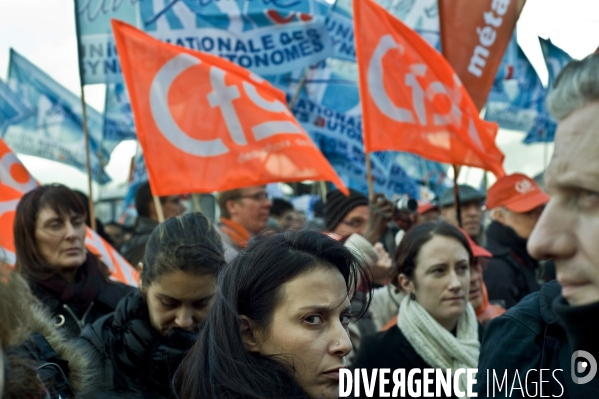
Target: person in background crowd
478, 297
36, 361
147, 220
428, 212
350, 218
286, 216
516, 203
141, 344
437, 326
116, 233
546, 328
279, 322
471, 207
99, 225
243, 213
72, 283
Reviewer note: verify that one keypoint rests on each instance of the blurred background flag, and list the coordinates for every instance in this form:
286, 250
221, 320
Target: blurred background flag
54, 128
11, 108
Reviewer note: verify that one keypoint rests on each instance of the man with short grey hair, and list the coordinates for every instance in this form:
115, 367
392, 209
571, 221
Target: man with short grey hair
550, 340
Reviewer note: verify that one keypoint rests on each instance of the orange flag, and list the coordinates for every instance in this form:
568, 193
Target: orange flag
12, 171
206, 124
9, 199
15, 181
411, 98
474, 36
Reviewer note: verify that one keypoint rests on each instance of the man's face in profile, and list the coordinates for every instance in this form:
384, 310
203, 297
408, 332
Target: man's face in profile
568, 230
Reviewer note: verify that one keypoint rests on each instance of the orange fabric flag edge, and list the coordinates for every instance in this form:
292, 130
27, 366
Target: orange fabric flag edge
313, 167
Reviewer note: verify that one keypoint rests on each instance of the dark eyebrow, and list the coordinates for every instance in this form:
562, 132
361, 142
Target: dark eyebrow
322, 308
164, 296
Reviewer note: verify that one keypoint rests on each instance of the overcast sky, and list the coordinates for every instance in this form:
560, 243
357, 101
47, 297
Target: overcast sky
44, 32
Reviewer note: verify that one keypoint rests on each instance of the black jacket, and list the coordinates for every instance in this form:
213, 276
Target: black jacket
391, 349
70, 320
134, 249
512, 272
533, 336
136, 361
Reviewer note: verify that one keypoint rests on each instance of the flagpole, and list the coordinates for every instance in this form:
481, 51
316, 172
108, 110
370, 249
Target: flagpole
302, 80
158, 207
92, 214
456, 194
369, 178
197, 207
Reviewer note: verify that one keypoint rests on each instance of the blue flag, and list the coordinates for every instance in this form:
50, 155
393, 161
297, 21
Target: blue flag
12, 109
555, 59
118, 117
518, 103
54, 129
257, 35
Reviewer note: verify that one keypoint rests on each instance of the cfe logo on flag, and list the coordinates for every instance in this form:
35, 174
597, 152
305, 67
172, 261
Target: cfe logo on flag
411, 98
206, 124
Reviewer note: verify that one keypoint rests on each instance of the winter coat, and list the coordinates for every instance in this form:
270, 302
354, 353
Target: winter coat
391, 349
65, 370
512, 273
541, 332
135, 249
136, 360
69, 316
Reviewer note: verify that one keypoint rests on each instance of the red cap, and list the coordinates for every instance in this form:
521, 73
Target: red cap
518, 193
477, 250
424, 207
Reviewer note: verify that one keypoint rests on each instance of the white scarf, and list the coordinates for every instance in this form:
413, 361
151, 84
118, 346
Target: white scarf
438, 347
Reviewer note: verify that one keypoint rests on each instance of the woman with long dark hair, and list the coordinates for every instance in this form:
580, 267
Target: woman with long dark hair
72, 283
141, 344
278, 327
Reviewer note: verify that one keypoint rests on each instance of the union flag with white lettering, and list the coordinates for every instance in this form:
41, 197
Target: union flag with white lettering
206, 124
412, 100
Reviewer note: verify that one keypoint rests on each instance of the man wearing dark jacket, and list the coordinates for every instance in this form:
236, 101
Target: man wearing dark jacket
516, 202
549, 340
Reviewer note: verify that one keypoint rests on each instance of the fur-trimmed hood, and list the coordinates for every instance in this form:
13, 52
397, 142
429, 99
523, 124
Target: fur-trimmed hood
80, 372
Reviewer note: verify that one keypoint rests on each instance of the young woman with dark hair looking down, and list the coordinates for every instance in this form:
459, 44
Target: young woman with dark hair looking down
278, 327
73, 284
143, 342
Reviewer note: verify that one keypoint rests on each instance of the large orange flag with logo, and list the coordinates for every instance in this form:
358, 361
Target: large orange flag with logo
411, 98
15, 181
206, 124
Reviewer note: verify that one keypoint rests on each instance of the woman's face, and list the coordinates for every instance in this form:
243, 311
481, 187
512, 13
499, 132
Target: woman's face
441, 280
309, 330
180, 299
60, 239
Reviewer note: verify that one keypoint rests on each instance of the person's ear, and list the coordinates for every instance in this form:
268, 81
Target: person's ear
499, 215
140, 267
405, 284
249, 334
231, 206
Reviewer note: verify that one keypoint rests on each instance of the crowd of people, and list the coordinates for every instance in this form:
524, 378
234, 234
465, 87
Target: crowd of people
261, 304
